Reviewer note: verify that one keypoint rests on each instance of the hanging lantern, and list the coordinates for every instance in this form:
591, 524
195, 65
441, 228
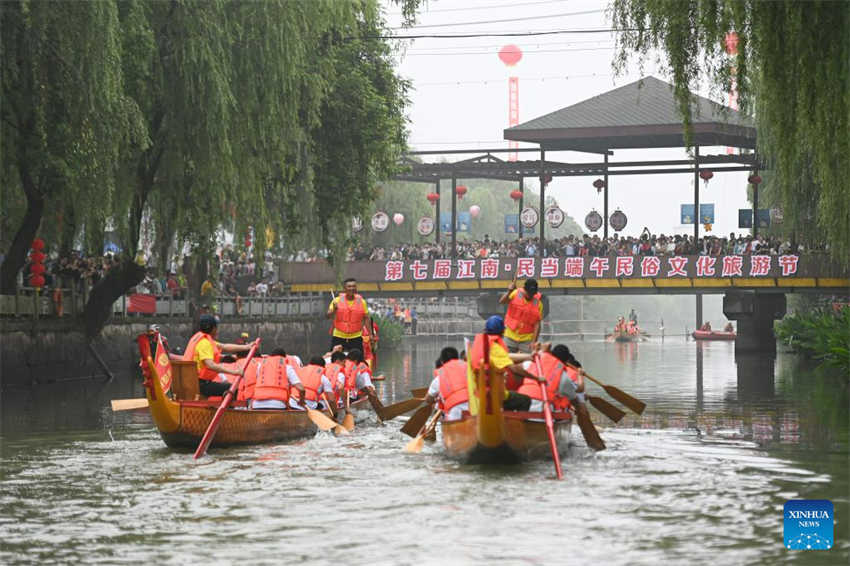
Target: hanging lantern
516, 195
706, 175
398, 218
474, 210
38, 244
547, 179
618, 220
461, 190
37, 257
432, 198
36, 265
593, 221
37, 268
599, 184
510, 55
37, 281
754, 180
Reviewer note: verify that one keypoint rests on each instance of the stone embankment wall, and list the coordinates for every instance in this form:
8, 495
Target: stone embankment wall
51, 351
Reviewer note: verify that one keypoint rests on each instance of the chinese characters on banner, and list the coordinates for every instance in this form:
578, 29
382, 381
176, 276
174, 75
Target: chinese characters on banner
593, 267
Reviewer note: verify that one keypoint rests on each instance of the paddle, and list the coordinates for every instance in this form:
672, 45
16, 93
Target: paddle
348, 419
547, 415
416, 421
635, 405
415, 445
228, 397
606, 408
419, 392
129, 404
321, 420
396, 409
338, 428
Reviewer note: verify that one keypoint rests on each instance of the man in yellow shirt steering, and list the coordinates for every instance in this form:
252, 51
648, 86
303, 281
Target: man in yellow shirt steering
349, 313
522, 320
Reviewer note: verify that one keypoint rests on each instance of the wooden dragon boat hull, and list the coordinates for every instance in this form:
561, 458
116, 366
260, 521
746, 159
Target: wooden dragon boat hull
523, 439
627, 338
712, 335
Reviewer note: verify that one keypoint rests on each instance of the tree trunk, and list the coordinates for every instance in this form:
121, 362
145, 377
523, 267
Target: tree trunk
16, 257
108, 290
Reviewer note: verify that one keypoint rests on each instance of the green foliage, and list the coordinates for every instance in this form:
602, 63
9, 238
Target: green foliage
391, 331
822, 334
792, 72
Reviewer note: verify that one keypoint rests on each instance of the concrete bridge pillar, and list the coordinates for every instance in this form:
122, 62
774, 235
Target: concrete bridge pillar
755, 313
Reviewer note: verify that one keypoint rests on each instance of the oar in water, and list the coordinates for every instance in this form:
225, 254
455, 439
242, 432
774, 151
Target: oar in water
635, 405
606, 408
547, 416
129, 404
416, 421
338, 428
419, 392
415, 445
228, 397
321, 420
348, 419
396, 409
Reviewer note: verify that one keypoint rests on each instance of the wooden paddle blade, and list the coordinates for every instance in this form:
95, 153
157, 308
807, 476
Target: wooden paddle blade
635, 405
348, 422
415, 423
415, 445
588, 430
419, 392
396, 409
321, 420
606, 408
129, 404
340, 430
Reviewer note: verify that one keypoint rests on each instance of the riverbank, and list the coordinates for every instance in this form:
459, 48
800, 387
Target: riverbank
822, 334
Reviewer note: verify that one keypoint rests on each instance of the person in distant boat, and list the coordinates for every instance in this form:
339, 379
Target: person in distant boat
522, 319
349, 313
633, 316
206, 352
449, 388
501, 360
728, 327
706, 327
315, 385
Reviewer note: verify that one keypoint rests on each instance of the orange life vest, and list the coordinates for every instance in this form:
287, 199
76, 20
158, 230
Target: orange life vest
204, 372
351, 370
453, 385
553, 371
476, 355
522, 315
249, 380
311, 379
349, 318
272, 382
293, 361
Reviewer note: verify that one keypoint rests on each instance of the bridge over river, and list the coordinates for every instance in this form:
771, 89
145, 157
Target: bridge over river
754, 286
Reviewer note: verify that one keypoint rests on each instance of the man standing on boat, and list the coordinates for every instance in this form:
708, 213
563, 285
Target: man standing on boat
349, 312
525, 312
205, 351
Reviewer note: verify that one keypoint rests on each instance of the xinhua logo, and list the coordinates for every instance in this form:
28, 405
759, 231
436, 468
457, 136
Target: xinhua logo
808, 524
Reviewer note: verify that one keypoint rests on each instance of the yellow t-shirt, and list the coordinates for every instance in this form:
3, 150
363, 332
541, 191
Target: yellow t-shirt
203, 351
206, 287
349, 335
499, 358
516, 337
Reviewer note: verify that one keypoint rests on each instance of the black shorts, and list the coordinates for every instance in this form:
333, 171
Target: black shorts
212, 388
348, 344
516, 402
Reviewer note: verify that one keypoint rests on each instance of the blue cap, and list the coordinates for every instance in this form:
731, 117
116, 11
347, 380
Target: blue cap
495, 325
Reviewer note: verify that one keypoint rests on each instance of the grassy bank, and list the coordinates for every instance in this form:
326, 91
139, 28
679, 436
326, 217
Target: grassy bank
822, 334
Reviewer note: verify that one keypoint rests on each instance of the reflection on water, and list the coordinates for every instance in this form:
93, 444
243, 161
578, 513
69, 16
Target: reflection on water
700, 477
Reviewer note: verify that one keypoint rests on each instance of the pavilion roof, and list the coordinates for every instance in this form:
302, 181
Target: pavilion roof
642, 114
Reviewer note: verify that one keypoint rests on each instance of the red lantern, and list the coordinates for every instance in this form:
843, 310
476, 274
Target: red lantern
547, 179
37, 257
599, 184
461, 190
754, 179
510, 55
516, 195
36, 268
38, 244
37, 281
248, 240
705, 175
432, 198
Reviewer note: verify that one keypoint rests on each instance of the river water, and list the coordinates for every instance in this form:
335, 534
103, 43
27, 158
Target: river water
700, 478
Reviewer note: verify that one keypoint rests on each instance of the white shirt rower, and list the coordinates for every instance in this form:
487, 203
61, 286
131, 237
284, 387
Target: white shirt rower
292, 378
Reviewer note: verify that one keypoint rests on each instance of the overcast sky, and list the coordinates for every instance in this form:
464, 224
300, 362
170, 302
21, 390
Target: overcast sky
460, 100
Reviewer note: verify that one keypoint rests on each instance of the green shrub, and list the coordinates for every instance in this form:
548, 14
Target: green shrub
390, 331
822, 334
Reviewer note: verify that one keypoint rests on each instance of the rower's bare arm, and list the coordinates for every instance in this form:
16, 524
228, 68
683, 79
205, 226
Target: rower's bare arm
234, 348
517, 369
218, 368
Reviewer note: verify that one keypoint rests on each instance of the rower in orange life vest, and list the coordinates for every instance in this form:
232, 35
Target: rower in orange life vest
334, 366
449, 386
564, 385
276, 378
205, 351
522, 320
502, 360
349, 312
315, 385
358, 378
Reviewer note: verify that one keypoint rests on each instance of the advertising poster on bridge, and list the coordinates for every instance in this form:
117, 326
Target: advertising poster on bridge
511, 224
463, 222
706, 213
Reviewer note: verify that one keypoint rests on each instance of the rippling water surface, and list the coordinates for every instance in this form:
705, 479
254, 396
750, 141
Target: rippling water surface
700, 478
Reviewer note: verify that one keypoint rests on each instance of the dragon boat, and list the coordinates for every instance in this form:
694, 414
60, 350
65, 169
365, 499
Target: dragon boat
182, 415
490, 435
712, 335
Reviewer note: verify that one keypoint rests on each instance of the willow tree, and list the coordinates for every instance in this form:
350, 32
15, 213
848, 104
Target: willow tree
792, 71
64, 113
